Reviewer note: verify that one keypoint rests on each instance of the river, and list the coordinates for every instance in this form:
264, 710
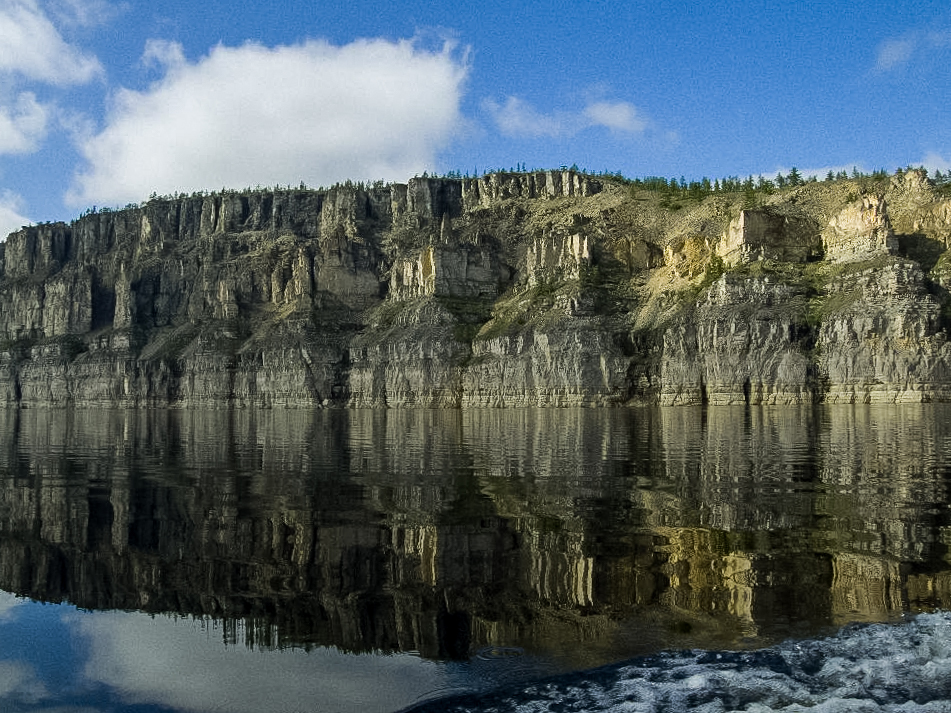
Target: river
380, 560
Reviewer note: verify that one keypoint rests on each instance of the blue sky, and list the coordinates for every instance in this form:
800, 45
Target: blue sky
103, 102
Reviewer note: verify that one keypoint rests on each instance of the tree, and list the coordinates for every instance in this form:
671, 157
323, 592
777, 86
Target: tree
794, 178
830, 176
749, 196
780, 180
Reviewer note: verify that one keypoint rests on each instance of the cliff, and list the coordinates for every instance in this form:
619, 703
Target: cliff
546, 288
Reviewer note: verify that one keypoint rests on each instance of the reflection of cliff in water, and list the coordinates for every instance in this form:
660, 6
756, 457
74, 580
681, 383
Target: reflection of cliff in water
441, 531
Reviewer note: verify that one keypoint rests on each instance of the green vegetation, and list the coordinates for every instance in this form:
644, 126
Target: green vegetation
470, 313
511, 313
673, 190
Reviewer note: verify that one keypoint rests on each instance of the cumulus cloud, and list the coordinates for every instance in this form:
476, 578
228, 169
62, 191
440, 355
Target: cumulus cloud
22, 125
32, 48
11, 219
517, 118
163, 54
618, 116
253, 115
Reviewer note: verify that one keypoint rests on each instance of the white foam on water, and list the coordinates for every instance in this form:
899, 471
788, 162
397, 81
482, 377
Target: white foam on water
894, 668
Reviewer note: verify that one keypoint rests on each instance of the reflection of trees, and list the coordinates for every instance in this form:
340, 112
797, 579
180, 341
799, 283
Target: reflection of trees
438, 531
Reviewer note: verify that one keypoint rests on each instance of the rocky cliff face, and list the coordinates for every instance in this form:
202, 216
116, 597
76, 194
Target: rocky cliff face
547, 288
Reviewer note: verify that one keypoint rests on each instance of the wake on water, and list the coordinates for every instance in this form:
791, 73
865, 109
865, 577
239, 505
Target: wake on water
869, 668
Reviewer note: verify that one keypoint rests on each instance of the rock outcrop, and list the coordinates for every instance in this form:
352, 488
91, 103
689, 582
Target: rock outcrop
861, 231
761, 235
513, 289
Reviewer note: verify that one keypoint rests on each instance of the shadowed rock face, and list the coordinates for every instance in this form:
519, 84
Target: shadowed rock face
546, 288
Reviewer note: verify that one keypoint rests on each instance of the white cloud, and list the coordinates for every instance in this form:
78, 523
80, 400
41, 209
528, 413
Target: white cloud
31, 47
256, 115
618, 116
82, 13
22, 125
895, 52
935, 161
11, 220
163, 54
518, 118
899, 51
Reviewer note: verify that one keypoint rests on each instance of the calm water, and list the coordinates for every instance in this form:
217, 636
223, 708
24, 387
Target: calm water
370, 560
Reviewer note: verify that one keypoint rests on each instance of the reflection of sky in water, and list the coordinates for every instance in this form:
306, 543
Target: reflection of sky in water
56, 656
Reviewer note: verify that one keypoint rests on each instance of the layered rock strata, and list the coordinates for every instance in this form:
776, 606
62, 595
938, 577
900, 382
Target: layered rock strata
513, 289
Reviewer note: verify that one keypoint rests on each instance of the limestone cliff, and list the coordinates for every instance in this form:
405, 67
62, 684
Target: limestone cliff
544, 288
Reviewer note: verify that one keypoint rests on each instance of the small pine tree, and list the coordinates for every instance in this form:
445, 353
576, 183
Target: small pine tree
749, 196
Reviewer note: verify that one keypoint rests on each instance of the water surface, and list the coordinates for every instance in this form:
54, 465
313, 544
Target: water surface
369, 560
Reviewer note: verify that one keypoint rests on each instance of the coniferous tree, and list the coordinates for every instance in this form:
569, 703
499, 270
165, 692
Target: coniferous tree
749, 196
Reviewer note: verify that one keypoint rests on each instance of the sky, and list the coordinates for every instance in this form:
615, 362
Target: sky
104, 103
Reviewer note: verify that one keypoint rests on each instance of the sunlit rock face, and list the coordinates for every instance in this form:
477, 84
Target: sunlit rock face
861, 231
882, 338
512, 289
747, 342
763, 235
